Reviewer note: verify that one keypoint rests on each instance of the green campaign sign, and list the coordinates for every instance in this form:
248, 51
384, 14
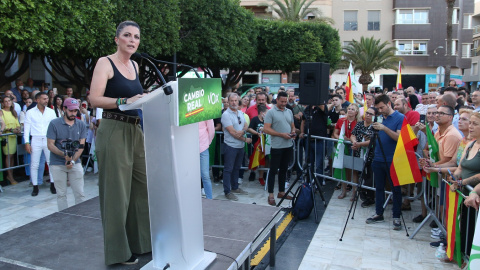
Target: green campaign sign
199, 100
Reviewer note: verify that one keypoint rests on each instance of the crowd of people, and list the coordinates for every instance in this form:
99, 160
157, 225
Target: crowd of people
450, 114
47, 119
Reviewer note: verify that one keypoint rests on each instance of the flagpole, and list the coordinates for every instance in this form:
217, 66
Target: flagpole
458, 191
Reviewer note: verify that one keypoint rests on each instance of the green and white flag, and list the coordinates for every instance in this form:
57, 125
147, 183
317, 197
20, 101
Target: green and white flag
268, 144
338, 158
474, 262
338, 171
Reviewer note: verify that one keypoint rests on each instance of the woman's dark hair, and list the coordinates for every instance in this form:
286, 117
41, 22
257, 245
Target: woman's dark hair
413, 99
55, 107
125, 24
12, 108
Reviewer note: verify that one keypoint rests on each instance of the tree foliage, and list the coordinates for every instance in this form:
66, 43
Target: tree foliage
283, 45
369, 55
216, 35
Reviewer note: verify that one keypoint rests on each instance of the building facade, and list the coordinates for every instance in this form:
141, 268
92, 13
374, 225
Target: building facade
417, 28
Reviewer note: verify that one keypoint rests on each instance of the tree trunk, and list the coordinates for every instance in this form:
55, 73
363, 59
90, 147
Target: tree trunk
448, 48
7, 62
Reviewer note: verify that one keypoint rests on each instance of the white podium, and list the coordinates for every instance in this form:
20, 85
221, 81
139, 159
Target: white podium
173, 176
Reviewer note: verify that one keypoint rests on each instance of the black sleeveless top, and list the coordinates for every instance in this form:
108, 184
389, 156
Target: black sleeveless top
120, 87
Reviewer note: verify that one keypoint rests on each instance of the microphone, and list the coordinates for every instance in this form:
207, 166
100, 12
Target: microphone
167, 89
145, 55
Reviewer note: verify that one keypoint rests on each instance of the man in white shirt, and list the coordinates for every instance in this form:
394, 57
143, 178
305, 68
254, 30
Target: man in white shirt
36, 124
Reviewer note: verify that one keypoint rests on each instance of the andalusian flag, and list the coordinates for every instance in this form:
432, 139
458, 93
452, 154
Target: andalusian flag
338, 170
474, 262
348, 86
433, 150
258, 156
452, 218
399, 76
404, 169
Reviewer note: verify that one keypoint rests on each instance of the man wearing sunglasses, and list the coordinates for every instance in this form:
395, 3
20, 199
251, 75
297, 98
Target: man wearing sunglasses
234, 129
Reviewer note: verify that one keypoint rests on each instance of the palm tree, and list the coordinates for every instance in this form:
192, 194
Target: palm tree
448, 67
296, 10
368, 56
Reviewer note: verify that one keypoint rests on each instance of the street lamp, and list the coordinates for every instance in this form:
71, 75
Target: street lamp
435, 51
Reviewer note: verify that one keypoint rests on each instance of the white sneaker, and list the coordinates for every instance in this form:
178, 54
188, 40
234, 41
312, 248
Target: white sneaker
89, 169
203, 192
240, 181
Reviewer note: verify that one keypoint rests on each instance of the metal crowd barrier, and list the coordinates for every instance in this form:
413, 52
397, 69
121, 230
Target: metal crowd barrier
219, 137
355, 164
20, 150
435, 203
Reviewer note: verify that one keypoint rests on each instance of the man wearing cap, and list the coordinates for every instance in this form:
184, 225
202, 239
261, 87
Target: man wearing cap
63, 164
36, 123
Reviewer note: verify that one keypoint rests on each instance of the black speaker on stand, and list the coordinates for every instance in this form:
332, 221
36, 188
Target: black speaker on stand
314, 81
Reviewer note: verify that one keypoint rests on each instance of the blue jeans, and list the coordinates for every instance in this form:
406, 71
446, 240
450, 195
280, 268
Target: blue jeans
380, 176
233, 162
205, 173
317, 155
41, 169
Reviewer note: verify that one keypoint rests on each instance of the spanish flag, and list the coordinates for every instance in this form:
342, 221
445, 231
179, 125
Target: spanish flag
452, 217
404, 169
399, 76
348, 87
365, 107
258, 156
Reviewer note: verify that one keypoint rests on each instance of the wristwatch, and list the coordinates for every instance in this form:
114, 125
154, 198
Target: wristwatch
72, 162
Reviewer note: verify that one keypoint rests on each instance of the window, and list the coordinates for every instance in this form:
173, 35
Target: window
374, 20
454, 47
467, 21
350, 20
455, 15
466, 50
474, 69
411, 47
412, 16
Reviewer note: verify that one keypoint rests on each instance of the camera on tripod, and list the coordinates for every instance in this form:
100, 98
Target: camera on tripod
70, 146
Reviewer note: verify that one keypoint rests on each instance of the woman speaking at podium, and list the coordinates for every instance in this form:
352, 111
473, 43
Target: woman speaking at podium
120, 151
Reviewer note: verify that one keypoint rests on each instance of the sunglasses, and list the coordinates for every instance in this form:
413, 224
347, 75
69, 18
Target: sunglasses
239, 121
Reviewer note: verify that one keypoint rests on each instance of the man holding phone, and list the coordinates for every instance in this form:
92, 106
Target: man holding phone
280, 125
389, 130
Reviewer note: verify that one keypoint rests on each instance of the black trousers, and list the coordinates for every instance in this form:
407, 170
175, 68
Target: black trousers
280, 158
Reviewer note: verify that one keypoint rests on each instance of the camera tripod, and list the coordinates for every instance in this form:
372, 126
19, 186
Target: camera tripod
363, 176
307, 173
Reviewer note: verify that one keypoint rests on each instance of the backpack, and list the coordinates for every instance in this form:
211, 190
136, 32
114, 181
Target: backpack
303, 201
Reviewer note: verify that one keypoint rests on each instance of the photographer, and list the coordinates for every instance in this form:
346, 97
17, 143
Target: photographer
65, 137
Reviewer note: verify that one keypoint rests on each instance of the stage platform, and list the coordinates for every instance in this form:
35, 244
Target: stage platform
72, 239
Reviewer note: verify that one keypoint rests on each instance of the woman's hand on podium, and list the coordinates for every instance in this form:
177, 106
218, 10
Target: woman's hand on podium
135, 98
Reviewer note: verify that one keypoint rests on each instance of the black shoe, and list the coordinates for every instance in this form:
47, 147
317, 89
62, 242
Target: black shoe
52, 188
433, 224
132, 260
375, 219
35, 191
437, 244
418, 219
251, 177
368, 203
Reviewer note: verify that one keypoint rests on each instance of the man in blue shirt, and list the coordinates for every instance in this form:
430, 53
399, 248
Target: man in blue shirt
388, 132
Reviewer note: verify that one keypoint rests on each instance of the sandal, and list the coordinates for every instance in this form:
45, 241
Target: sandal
341, 196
